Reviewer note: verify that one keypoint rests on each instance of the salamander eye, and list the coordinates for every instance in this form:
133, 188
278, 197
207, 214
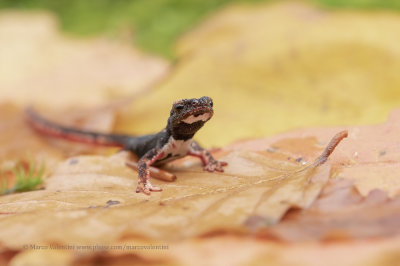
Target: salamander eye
211, 104
179, 107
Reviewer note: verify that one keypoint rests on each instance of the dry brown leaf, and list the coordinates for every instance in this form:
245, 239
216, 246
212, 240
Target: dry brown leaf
231, 250
97, 192
341, 213
370, 155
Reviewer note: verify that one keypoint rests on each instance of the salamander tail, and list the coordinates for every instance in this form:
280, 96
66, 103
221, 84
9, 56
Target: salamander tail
48, 128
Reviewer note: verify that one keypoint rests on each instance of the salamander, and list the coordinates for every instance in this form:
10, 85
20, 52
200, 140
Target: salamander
175, 141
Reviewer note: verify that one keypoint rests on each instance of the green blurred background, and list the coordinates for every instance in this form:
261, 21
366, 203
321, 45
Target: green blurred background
156, 24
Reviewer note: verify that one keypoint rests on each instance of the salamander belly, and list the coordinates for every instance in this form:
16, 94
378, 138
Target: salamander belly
174, 149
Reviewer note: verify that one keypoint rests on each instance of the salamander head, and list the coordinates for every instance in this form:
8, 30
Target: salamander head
188, 116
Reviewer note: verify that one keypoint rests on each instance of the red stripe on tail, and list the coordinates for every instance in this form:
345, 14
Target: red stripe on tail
54, 130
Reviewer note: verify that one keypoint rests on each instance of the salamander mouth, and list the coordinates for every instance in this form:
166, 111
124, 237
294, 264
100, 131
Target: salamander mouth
202, 114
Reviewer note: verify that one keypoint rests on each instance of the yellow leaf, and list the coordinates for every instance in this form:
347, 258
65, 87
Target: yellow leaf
270, 68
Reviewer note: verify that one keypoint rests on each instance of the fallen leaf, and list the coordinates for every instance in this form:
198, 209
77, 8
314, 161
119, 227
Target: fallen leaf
369, 156
341, 213
97, 192
230, 250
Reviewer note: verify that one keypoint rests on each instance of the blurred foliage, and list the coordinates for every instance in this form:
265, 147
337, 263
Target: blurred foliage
365, 4
27, 177
156, 24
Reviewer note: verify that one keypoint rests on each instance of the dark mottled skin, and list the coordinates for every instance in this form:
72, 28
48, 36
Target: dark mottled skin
187, 116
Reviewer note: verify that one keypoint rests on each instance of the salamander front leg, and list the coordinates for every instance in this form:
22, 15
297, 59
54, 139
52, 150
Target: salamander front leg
144, 163
209, 163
